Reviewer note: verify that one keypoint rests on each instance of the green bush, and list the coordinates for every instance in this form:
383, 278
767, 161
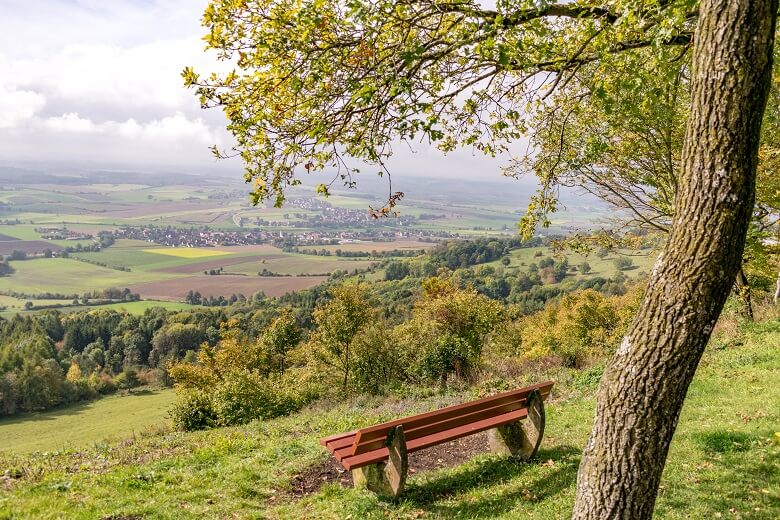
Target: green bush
101, 383
194, 411
247, 396
377, 361
622, 263
447, 331
127, 379
581, 326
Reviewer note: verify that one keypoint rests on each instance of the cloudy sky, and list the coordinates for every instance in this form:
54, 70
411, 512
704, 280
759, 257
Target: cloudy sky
99, 81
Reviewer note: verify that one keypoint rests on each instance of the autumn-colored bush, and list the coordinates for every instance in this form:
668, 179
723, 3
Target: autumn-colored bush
447, 331
578, 327
238, 381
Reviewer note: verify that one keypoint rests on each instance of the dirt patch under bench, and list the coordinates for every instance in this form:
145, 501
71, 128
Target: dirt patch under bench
453, 453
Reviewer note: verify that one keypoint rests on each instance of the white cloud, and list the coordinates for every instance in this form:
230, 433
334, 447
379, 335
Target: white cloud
18, 106
70, 122
100, 80
168, 130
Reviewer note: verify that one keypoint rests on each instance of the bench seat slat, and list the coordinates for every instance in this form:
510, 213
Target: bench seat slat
379, 431
343, 448
328, 440
344, 442
372, 457
436, 425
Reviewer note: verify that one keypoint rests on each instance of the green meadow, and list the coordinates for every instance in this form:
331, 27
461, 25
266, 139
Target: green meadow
299, 264
69, 276
604, 267
84, 424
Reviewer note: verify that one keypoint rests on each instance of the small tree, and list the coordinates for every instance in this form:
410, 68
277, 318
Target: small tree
281, 336
338, 322
584, 267
74, 373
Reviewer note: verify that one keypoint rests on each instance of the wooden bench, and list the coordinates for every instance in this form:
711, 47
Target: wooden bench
377, 455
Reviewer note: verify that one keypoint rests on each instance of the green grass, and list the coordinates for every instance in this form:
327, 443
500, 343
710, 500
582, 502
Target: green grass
16, 306
83, 424
643, 261
138, 255
68, 276
136, 308
724, 460
21, 231
295, 264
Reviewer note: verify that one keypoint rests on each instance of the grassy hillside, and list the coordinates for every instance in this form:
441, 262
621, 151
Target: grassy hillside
83, 424
605, 267
724, 461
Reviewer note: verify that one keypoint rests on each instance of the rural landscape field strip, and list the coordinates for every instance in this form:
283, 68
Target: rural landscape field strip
225, 285
219, 262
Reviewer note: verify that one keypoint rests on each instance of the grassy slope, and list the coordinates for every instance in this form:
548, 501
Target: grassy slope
604, 267
82, 424
723, 460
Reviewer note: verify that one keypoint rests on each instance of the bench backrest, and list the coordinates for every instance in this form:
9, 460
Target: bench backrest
416, 426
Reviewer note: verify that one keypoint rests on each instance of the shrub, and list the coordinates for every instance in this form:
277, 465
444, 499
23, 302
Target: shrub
246, 396
9, 393
377, 360
127, 379
447, 331
622, 263
101, 383
154, 377
236, 380
581, 325
79, 390
194, 411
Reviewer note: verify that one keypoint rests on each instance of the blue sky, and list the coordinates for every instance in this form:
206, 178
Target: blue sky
99, 80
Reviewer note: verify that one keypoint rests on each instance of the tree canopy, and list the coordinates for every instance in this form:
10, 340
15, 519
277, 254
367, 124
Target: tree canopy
322, 84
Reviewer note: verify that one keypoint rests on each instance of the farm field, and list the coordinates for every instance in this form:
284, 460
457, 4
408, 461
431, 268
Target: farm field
366, 246
296, 265
168, 274
216, 201
28, 246
68, 276
16, 306
225, 285
187, 252
84, 424
136, 308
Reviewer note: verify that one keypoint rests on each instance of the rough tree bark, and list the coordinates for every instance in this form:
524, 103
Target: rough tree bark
644, 386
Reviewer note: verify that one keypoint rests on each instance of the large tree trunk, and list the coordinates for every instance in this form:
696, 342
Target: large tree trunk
644, 386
